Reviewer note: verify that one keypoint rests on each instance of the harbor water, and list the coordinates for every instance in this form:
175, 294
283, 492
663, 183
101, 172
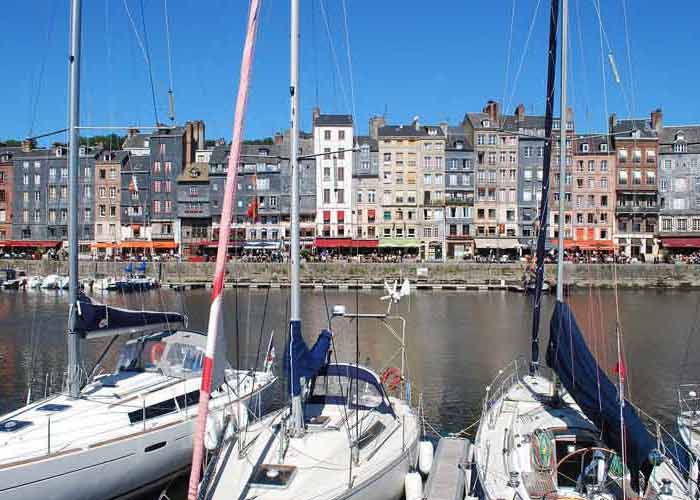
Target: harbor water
456, 341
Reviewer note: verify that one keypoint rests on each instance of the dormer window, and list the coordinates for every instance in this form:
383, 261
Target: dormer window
557, 124
459, 145
485, 123
680, 136
146, 143
432, 131
636, 134
264, 152
584, 147
83, 150
364, 149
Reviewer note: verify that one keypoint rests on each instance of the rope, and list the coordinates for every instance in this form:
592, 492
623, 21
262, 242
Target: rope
347, 44
333, 53
524, 54
34, 100
170, 63
508, 53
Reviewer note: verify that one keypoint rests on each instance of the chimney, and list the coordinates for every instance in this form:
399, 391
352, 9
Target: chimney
657, 120
189, 133
491, 109
200, 134
28, 145
315, 113
416, 123
519, 113
375, 123
279, 139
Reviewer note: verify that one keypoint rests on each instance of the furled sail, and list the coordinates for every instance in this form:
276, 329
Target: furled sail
569, 357
300, 361
97, 320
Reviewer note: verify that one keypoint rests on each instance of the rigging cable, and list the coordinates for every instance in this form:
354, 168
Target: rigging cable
34, 99
524, 54
334, 53
347, 44
508, 53
150, 68
628, 48
171, 94
144, 51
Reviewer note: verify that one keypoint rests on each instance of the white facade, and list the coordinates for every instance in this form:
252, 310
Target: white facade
333, 142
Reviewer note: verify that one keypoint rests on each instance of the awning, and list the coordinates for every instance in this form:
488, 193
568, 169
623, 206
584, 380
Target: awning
500, 243
29, 243
104, 244
680, 242
399, 243
262, 245
345, 243
585, 244
148, 244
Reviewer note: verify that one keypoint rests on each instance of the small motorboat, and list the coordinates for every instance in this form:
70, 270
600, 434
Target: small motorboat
51, 282
34, 282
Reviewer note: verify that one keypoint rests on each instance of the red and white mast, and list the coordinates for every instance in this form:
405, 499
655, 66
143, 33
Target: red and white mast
212, 374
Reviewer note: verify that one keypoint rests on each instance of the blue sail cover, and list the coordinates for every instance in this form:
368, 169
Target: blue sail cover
300, 361
129, 268
142, 267
569, 357
94, 317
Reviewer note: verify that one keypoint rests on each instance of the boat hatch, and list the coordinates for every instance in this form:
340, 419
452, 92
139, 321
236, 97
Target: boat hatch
273, 476
317, 421
53, 407
371, 434
14, 425
164, 407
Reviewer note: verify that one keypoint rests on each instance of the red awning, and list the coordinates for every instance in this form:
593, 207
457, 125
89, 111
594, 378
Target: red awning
680, 242
345, 243
148, 244
586, 244
29, 243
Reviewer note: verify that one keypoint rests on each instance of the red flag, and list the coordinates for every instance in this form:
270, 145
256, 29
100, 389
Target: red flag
253, 209
133, 186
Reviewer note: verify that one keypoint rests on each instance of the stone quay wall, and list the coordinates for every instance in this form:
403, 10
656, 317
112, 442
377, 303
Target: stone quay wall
577, 275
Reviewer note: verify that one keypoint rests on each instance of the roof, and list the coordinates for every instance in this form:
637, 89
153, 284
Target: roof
624, 128
119, 156
333, 120
10, 150
594, 141
135, 141
455, 135
688, 134
410, 131
365, 139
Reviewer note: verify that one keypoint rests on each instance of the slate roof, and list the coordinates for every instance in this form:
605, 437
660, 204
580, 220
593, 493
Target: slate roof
365, 139
594, 141
409, 131
623, 129
691, 137
119, 156
455, 135
135, 141
333, 120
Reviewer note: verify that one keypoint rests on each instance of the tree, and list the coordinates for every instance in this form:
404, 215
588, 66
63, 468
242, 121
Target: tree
10, 143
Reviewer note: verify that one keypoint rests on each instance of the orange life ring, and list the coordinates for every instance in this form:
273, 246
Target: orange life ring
156, 352
391, 378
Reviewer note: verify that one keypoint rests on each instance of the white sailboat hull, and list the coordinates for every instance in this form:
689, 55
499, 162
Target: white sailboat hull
115, 467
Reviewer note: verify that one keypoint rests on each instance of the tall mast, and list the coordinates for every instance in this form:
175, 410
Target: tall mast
212, 372
295, 316
73, 160
546, 167
562, 147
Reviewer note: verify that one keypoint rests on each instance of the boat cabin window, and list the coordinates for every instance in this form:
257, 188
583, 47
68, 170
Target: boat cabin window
174, 359
183, 360
140, 356
334, 389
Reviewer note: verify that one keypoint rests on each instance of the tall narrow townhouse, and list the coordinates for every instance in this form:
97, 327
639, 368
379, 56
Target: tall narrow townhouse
333, 144
593, 193
568, 128
495, 206
432, 213
365, 185
459, 194
6, 189
679, 189
637, 211
107, 200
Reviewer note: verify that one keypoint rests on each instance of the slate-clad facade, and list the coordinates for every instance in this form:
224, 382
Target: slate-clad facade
459, 193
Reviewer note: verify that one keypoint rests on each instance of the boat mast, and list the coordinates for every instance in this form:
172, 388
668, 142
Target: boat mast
215, 328
546, 167
295, 316
73, 161
563, 127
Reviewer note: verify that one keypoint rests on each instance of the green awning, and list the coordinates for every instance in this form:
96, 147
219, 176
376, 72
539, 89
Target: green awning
398, 243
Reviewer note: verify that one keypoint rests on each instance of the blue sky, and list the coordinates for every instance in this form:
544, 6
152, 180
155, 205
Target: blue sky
409, 58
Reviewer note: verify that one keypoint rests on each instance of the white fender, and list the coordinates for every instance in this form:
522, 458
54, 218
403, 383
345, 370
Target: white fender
425, 457
211, 432
413, 486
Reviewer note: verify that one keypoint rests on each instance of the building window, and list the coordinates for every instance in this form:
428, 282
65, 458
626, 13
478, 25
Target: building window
622, 155
622, 177
327, 135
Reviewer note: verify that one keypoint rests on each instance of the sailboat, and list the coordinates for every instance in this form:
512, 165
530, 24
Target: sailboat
341, 435
574, 437
112, 433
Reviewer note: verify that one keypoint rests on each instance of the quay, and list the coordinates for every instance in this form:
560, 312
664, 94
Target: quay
350, 275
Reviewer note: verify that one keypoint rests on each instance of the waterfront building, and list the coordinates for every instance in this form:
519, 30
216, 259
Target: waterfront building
6, 191
193, 206
365, 185
135, 199
679, 188
459, 193
411, 158
496, 157
568, 179
593, 193
637, 212
107, 201
40, 196
333, 143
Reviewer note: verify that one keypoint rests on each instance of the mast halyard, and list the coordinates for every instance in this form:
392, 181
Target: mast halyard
73, 171
295, 292
563, 127
546, 167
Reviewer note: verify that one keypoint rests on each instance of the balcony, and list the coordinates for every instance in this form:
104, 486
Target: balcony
631, 209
